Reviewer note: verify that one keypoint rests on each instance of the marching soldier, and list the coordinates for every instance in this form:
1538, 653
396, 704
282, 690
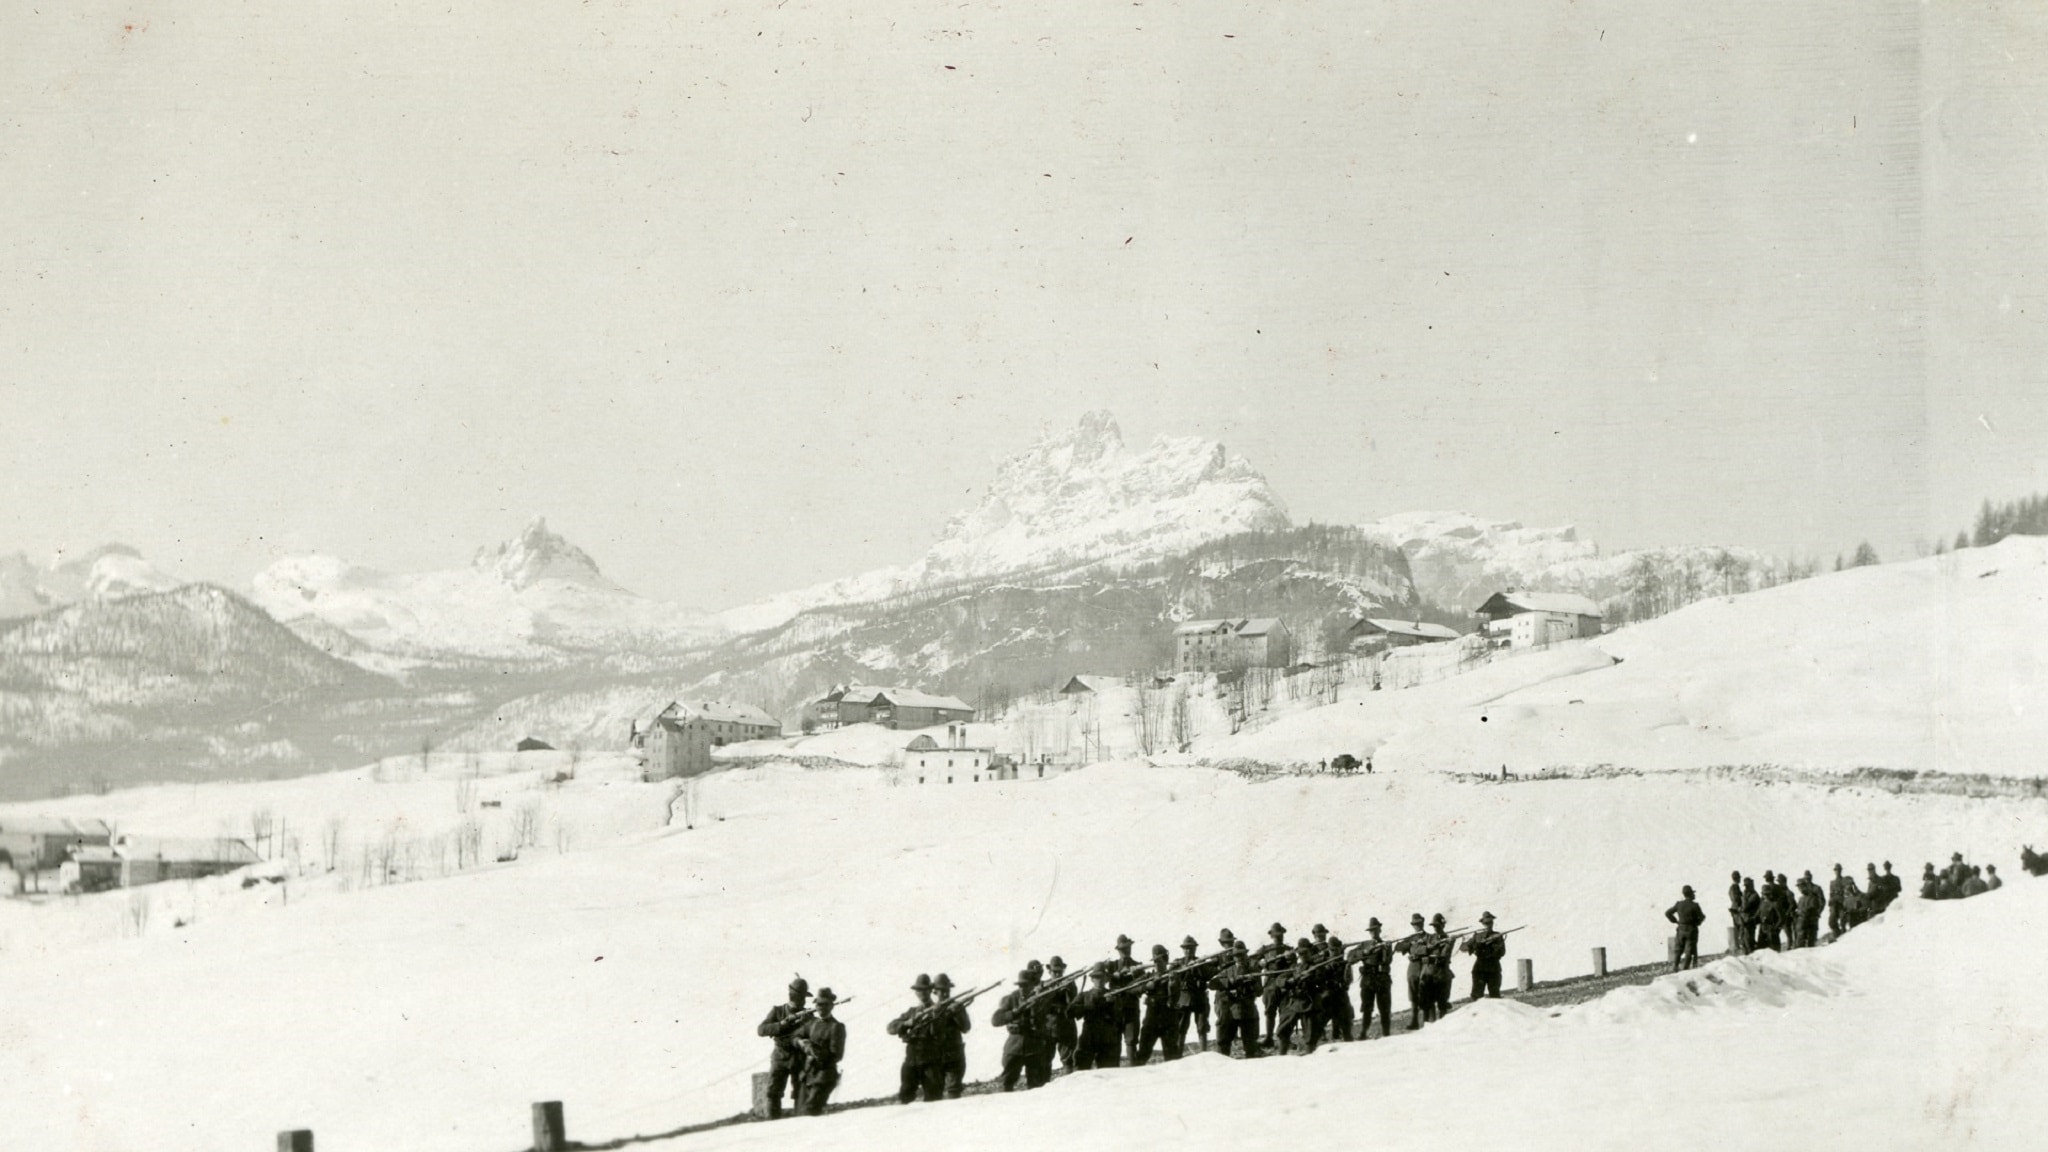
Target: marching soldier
953, 1026
1124, 971
1375, 981
824, 1043
1060, 1000
786, 1063
1273, 959
1421, 995
918, 1030
1191, 998
1101, 1020
1027, 1051
1688, 916
1487, 947
1237, 1002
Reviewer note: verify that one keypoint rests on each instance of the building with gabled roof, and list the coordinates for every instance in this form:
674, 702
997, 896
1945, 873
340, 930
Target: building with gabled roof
1377, 632
136, 860
1088, 684
1534, 619
889, 707
676, 739
36, 842
1231, 645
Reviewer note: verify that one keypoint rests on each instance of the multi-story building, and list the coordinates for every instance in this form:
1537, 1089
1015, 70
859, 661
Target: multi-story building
1229, 645
677, 738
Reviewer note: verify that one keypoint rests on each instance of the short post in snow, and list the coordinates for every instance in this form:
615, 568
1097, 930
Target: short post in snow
1525, 975
1599, 961
1671, 949
296, 1140
759, 1107
1731, 940
550, 1133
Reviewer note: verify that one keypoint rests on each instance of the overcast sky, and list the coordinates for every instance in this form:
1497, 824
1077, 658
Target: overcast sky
748, 295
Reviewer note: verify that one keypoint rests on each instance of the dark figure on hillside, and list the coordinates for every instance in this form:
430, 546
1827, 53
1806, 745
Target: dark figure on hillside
1973, 883
1688, 916
1752, 915
1064, 1034
1274, 959
1842, 899
824, 1043
1296, 996
953, 1026
1375, 981
1421, 997
917, 1027
1956, 872
1812, 902
1436, 970
1337, 990
1191, 997
786, 1063
1101, 1020
1487, 948
1930, 883
1123, 971
1788, 908
2032, 862
1157, 1001
1892, 887
1237, 1002
1991, 879
1770, 922
1741, 944
1028, 1049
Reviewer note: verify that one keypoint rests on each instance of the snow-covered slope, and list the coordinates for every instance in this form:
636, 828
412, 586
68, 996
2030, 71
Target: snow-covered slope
1076, 496
108, 572
623, 973
534, 595
1931, 665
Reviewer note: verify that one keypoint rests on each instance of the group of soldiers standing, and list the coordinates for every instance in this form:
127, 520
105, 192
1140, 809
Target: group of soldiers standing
1121, 1010
1959, 879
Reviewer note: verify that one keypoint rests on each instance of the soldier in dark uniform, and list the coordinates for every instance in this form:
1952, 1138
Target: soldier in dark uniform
1064, 1034
1688, 916
1788, 908
786, 1063
1438, 970
1752, 915
953, 1026
1769, 918
1806, 912
1273, 959
1237, 1002
1101, 1020
1742, 943
1421, 995
1895, 887
1876, 894
918, 1029
1487, 947
824, 1043
1930, 883
1840, 900
1191, 998
1298, 996
1337, 990
1123, 971
1027, 1051
1156, 1001
1375, 981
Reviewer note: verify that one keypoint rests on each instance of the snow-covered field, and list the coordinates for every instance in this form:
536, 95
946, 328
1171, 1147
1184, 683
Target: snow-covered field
620, 962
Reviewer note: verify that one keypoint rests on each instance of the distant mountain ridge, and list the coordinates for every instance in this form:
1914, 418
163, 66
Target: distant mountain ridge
107, 572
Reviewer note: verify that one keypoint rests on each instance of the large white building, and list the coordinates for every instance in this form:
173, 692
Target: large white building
1534, 619
1228, 645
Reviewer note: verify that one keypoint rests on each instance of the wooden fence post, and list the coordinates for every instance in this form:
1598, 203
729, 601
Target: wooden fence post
550, 1133
1732, 950
297, 1140
1599, 961
1525, 975
1672, 949
759, 1108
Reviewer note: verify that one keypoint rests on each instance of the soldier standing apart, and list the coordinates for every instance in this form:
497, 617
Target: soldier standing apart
916, 1027
1375, 981
1741, 944
1688, 916
1487, 947
824, 1044
786, 1063
1060, 1000
1191, 998
1101, 1020
1421, 997
1123, 971
952, 1027
1024, 1051
1237, 1002
1273, 959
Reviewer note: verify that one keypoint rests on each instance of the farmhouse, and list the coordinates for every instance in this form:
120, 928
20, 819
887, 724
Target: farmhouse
1229, 645
136, 860
1087, 685
37, 842
889, 707
926, 759
1376, 633
1534, 619
676, 739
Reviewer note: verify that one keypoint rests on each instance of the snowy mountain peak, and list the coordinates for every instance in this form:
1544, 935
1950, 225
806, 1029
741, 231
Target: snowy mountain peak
538, 554
107, 572
1079, 494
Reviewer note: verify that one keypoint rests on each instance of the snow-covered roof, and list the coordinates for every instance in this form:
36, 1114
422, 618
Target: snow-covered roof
912, 698
1414, 628
720, 711
1512, 603
1197, 627
52, 826
1088, 682
217, 850
1259, 626
1242, 626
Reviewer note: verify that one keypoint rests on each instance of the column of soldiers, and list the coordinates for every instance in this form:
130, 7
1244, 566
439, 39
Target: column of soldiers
1959, 879
1119, 1011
